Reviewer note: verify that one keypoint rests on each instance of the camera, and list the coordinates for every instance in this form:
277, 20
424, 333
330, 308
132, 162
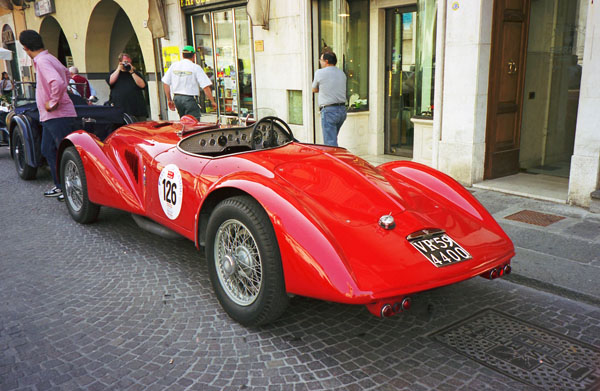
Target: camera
127, 66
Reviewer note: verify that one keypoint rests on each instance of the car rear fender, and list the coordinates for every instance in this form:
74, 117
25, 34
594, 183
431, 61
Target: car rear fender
313, 265
33, 154
446, 190
105, 182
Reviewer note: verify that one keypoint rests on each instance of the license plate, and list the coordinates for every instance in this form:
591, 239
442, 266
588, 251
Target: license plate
440, 249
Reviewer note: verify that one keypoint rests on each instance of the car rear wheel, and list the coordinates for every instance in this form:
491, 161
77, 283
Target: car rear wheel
24, 170
75, 188
244, 262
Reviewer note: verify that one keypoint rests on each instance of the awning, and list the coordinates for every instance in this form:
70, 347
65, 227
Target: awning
5, 54
156, 18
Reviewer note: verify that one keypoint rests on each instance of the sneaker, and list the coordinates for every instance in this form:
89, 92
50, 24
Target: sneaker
54, 192
61, 198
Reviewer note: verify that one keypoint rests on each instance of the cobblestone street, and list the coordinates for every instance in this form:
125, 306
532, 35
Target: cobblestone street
108, 306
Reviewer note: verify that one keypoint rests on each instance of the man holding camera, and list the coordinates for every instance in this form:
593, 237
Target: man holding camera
126, 86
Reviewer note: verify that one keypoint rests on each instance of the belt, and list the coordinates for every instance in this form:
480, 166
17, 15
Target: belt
193, 96
332, 104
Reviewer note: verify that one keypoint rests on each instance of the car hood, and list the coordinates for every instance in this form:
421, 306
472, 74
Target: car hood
347, 196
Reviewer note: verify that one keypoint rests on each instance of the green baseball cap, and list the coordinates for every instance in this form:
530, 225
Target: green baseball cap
189, 49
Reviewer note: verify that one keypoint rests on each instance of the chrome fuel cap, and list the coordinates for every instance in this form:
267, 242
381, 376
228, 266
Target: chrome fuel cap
387, 222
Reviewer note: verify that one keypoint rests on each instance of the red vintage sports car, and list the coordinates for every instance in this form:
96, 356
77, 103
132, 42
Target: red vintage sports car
279, 218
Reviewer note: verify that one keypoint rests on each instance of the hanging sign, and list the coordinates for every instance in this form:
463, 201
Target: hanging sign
44, 7
187, 4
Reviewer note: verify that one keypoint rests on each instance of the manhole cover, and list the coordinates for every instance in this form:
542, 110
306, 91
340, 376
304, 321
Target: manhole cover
524, 352
535, 218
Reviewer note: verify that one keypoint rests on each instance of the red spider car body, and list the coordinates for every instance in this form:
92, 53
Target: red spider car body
345, 231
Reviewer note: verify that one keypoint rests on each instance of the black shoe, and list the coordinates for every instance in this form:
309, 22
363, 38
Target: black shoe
54, 192
61, 198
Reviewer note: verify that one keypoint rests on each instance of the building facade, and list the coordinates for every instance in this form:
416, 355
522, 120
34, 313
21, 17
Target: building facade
479, 90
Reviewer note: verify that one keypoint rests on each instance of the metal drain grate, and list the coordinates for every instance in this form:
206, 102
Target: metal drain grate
524, 352
535, 218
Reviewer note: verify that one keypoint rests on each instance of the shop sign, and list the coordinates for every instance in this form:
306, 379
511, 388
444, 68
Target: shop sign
44, 7
187, 4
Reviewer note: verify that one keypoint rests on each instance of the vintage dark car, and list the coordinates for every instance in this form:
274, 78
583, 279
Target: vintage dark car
278, 217
22, 129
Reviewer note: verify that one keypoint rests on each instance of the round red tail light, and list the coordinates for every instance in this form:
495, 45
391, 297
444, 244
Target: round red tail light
507, 269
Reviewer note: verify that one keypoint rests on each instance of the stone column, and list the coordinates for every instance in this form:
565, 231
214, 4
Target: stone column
466, 71
585, 163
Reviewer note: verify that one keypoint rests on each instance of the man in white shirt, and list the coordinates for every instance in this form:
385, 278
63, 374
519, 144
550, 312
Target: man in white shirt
184, 80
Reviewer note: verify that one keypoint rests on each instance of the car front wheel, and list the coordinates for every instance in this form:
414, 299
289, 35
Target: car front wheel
74, 186
24, 170
244, 262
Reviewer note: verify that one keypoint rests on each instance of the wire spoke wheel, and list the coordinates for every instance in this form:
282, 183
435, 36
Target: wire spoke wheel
238, 262
244, 261
73, 187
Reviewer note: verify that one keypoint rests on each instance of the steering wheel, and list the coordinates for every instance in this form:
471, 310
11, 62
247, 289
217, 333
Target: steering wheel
256, 137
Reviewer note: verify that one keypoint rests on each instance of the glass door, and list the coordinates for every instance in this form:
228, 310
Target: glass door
222, 39
400, 79
204, 54
227, 93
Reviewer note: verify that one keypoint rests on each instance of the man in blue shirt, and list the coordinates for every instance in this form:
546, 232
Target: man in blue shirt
330, 83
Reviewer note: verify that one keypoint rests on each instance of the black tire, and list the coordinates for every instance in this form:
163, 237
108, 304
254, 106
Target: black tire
250, 257
17, 146
74, 186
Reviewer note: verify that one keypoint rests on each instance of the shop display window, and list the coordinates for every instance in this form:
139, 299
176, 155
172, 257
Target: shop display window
344, 28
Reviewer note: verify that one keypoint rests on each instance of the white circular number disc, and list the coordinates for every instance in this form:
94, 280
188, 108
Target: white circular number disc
170, 191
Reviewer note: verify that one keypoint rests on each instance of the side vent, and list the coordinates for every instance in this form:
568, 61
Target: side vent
133, 163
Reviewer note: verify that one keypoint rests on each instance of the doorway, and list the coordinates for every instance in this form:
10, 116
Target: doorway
552, 83
222, 41
535, 74
400, 61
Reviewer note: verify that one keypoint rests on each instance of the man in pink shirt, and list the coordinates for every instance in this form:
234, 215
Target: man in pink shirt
57, 113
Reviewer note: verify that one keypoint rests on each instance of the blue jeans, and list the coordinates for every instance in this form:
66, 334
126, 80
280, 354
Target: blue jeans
332, 118
53, 131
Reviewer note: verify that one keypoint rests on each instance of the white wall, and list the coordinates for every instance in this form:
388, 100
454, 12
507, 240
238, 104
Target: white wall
285, 62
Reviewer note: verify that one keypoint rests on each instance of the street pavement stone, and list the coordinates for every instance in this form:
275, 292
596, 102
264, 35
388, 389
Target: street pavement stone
108, 306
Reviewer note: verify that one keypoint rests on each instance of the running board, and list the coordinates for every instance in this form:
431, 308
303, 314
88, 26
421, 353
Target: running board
155, 228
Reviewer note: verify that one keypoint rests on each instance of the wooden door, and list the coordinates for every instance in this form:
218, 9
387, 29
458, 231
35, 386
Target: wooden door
505, 94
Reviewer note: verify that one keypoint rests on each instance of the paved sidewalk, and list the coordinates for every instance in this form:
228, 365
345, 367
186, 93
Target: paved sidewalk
562, 257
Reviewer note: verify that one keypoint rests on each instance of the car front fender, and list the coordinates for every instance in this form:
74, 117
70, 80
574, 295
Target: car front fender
105, 182
32, 139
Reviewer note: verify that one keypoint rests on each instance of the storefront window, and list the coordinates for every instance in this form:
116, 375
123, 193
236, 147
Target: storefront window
425, 53
344, 28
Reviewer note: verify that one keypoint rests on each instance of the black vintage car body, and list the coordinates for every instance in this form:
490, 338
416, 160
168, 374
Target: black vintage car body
23, 131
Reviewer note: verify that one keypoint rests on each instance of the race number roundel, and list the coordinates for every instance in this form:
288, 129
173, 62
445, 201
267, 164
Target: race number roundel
170, 191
